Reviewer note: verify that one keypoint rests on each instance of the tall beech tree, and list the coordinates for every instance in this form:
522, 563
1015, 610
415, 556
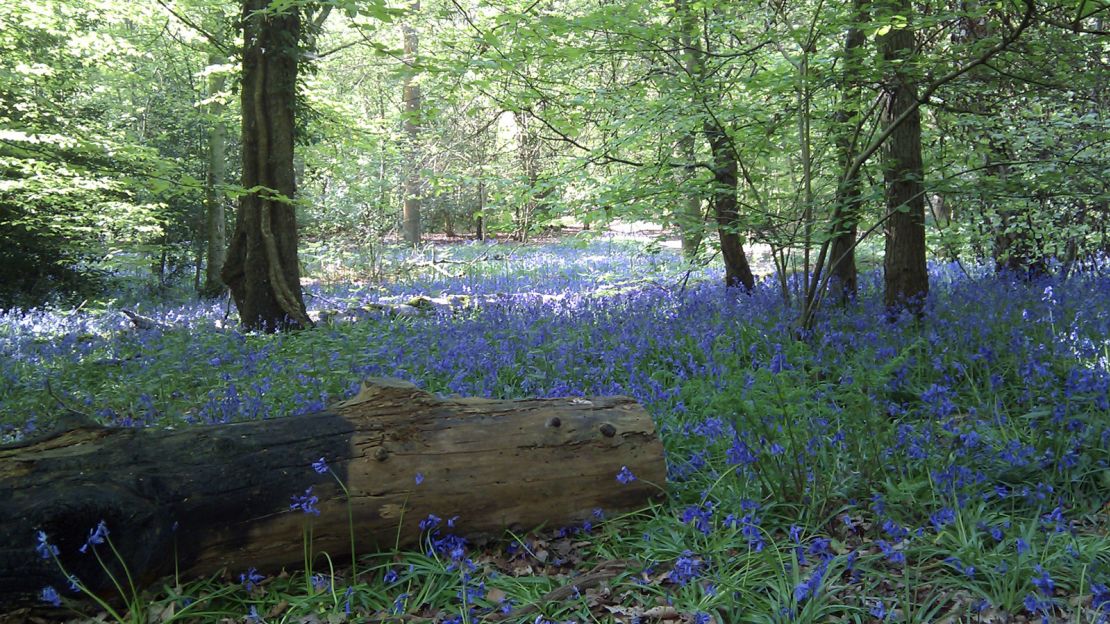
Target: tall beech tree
261, 268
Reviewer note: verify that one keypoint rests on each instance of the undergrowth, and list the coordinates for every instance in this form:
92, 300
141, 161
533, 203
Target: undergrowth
953, 467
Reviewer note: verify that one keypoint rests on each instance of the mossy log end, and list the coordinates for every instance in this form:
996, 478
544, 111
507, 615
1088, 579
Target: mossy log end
218, 497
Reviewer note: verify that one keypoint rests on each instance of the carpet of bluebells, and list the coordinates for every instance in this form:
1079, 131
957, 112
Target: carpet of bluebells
952, 468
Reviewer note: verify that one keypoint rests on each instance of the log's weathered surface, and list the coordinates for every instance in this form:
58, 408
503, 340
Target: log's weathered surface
219, 496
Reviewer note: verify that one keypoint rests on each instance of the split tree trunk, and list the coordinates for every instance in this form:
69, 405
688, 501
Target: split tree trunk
261, 267
218, 497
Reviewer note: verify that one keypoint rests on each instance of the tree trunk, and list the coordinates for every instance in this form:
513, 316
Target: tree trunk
261, 268
528, 152
214, 182
842, 258
480, 225
210, 498
737, 272
410, 219
691, 221
906, 280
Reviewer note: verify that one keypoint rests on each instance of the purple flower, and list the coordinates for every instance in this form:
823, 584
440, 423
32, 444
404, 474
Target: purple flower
45, 549
96, 536
809, 587
305, 502
686, 568
1043, 582
942, 518
431, 522
419, 478
892, 555
625, 475
699, 517
390, 576
251, 578
320, 466
1100, 597
50, 595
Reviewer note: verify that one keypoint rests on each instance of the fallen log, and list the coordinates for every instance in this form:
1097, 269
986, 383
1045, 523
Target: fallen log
211, 498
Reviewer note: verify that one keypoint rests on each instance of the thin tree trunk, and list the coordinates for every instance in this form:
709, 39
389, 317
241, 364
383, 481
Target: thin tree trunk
410, 221
906, 279
737, 271
842, 257
529, 162
214, 182
691, 221
481, 220
261, 268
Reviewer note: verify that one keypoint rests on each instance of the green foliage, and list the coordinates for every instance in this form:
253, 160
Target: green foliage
89, 144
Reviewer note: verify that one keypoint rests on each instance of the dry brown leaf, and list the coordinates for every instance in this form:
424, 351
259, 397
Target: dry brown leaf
496, 595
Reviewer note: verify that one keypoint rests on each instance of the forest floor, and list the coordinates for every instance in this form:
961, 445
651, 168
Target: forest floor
954, 468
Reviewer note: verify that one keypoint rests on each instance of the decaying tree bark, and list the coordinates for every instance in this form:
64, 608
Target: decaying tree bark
218, 497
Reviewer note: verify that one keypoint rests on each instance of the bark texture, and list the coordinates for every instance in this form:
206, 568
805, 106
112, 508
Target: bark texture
691, 220
219, 496
738, 273
410, 216
906, 280
214, 182
261, 268
842, 258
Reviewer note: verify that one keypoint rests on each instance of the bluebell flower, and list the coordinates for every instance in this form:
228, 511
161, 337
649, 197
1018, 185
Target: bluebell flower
1100, 597
1043, 582
892, 555
305, 502
45, 549
430, 522
250, 579
686, 568
96, 536
50, 595
699, 516
399, 604
390, 576
419, 478
320, 466
625, 475
942, 518
809, 587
